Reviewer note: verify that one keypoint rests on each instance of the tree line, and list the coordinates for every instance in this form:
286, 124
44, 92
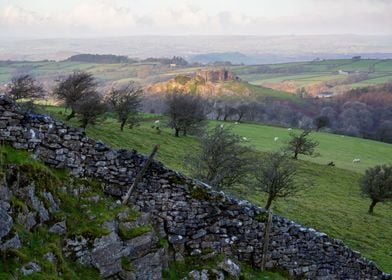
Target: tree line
79, 93
100, 58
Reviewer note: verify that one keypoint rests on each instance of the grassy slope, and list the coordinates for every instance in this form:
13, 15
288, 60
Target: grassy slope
86, 222
339, 149
333, 206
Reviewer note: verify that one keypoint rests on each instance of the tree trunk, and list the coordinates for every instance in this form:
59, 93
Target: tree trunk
269, 202
177, 132
70, 116
371, 207
84, 123
295, 155
122, 125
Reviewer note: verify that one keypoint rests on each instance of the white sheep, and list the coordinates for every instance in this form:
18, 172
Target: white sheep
157, 121
276, 138
221, 126
289, 129
244, 138
236, 123
356, 160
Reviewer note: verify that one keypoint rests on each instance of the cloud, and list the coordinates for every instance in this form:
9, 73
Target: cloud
110, 18
16, 16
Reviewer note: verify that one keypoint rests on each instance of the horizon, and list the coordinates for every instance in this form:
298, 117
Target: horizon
195, 35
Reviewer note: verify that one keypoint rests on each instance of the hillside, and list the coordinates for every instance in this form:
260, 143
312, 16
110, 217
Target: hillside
333, 206
181, 220
320, 76
64, 219
229, 89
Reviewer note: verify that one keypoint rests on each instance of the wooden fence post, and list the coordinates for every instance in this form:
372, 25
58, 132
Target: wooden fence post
140, 174
266, 240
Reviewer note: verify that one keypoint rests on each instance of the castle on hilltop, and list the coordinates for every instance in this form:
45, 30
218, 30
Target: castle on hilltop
218, 75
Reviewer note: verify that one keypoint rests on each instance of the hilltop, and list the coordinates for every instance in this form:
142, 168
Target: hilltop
217, 83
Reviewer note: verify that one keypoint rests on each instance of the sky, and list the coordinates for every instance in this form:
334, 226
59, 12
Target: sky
103, 18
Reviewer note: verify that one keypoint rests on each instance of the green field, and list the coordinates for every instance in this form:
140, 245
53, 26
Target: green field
304, 74
333, 205
337, 148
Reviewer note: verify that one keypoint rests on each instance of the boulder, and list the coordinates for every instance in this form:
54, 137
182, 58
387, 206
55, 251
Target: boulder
141, 245
150, 266
27, 220
231, 268
13, 243
6, 222
59, 228
30, 268
107, 253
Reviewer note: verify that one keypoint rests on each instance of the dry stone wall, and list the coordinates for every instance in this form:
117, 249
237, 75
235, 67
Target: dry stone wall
192, 216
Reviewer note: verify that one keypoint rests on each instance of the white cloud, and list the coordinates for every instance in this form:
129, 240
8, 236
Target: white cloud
260, 17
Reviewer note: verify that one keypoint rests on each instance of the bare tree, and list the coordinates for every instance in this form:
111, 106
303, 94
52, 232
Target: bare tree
384, 131
301, 144
125, 102
278, 177
185, 112
320, 122
74, 88
242, 110
228, 111
89, 108
24, 86
222, 160
377, 185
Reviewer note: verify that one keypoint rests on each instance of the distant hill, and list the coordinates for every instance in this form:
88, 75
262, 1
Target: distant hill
174, 61
232, 57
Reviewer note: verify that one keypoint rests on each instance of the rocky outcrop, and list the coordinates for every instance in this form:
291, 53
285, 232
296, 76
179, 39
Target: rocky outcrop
192, 216
218, 75
135, 257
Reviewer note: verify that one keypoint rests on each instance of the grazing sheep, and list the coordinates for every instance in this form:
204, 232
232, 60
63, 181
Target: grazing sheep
276, 138
356, 160
157, 121
236, 123
221, 126
289, 129
244, 138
